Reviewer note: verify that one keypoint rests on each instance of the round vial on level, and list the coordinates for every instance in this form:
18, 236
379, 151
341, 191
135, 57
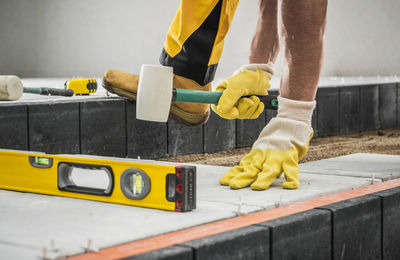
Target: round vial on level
135, 184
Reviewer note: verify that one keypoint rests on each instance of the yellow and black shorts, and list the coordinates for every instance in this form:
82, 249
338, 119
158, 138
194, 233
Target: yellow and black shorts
195, 38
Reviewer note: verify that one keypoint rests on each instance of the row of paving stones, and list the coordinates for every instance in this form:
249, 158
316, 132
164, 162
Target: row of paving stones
214, 202
108, 126
366, 227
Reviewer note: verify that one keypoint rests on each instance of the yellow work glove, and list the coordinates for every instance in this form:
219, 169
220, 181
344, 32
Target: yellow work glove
279, 148
249, 80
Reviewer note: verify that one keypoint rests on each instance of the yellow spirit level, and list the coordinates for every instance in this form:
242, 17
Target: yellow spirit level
81, 86
113, 180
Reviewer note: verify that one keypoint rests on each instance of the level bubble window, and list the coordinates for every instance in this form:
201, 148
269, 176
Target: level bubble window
135, 184
41, 162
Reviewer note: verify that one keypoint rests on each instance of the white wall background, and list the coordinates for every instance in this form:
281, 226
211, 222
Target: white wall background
65, 38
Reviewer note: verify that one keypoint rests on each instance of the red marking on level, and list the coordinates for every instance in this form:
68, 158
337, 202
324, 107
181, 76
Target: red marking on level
173, 238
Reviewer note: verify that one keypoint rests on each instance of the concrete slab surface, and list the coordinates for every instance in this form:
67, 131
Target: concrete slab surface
30, 222
311, 186
34, 220
12, 251
382, 166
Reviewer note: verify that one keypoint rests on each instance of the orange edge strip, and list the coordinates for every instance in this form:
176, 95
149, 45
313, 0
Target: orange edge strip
182, 236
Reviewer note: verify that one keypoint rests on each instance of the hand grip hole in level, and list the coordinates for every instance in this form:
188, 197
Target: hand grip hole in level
83, 178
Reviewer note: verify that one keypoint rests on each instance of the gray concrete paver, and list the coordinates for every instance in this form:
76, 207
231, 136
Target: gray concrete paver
382, 166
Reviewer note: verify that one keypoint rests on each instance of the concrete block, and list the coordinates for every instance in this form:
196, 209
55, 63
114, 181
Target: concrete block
169, 253
219, 134
250, 242
327, 111
369, 102
273, 92
356, 228
398, 104
382, 166
144, 138
390, 223
314, 122
247, 131
184, 139
54, 127
311, 186
349, 110
388, 105
305, 235
103, 127
14, 126
269, 114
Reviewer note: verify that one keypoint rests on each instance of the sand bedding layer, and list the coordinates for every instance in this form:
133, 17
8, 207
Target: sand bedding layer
381, 141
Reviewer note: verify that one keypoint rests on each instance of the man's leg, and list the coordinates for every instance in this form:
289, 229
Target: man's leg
265, 43
193, 48
302, 37
285, 139
195, 38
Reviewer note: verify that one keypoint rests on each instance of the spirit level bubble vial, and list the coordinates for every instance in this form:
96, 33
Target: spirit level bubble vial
113, 180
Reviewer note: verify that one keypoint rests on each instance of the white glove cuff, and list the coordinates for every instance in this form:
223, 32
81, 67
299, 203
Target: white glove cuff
296, 110
269, 68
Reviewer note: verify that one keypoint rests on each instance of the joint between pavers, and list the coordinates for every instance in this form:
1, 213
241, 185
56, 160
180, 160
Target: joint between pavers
80, 126
27, 128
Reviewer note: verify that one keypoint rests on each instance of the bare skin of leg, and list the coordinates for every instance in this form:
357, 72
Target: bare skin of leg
265, 43
302, 31
302, 35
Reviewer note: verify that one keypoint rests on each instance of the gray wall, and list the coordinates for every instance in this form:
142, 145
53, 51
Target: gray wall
64, 38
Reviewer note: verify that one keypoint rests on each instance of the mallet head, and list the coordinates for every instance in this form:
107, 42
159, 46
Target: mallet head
11, 88
154, 94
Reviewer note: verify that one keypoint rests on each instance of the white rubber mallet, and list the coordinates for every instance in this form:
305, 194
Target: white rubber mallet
155, 94
11, 89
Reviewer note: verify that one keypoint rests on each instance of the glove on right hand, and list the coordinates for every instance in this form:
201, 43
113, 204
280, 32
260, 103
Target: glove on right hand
251, 79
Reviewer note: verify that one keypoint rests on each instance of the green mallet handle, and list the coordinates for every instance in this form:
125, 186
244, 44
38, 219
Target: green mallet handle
50, 91
206, 97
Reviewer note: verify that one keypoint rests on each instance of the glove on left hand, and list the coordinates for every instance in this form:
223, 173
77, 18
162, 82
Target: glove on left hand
279, 148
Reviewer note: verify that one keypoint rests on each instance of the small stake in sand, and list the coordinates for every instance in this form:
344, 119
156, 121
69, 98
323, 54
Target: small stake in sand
53, 245
48, 255
51, 253
89, 247
374, 180
239, 204
278, 203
